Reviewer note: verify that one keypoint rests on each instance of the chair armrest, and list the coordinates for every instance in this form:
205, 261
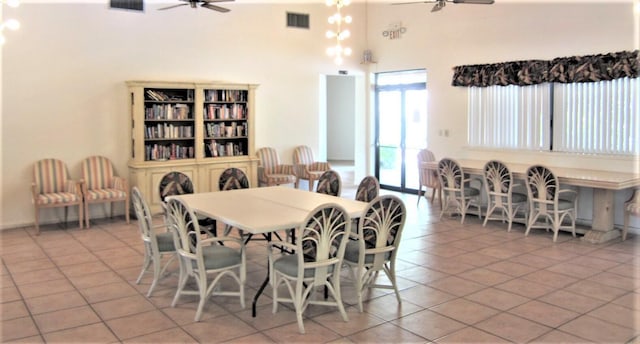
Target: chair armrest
300, 170
34, 193
319, 166
120, 183
279, 244
285, 169
572, 193
78, 188
218, 239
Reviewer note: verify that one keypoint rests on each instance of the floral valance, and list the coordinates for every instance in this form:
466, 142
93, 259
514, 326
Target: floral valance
588, 68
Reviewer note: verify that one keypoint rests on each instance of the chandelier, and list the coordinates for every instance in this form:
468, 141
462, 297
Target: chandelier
338, 51
10, 24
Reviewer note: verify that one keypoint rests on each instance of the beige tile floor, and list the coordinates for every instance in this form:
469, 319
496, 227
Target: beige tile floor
459, 283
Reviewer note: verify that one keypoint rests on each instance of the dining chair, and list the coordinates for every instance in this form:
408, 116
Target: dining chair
204, 259
101, 185
549, 203
315, 262
178, 183
271, 171
376, 246
458, 193
631, 207
368, 189
499, 184
233, 178
428, 178
305, 166
156, 245
53, 188
329, 183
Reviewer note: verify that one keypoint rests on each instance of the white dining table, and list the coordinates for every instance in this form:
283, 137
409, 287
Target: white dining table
264, 210
604, 184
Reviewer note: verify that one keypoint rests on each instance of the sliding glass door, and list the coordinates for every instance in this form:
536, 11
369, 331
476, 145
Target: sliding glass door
401, 112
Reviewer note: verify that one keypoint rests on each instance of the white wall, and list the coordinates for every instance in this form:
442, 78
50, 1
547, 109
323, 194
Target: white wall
341, 111
63, 77
63, 72
504, 31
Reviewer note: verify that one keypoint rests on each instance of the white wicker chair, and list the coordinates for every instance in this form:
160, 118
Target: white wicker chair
458, 194
499, 184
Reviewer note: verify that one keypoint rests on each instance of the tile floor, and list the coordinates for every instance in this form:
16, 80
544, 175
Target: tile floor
459, 283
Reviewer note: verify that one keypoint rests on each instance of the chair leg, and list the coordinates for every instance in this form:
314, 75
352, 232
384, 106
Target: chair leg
126, 211
156, 276
145, 266
80, 215
86, 215
37, 216
311, 182
419, 194
625, 228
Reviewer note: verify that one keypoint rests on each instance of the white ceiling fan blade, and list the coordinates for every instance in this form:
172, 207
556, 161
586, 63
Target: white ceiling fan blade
172, 6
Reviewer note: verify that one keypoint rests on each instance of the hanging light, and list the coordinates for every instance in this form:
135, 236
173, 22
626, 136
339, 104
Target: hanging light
339, 34
10, 24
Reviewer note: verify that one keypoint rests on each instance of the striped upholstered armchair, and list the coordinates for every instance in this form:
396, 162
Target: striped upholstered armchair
101, 185
271, 171
305, 167
52, 188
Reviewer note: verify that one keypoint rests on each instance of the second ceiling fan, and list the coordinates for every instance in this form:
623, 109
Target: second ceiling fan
439, 4
203, 3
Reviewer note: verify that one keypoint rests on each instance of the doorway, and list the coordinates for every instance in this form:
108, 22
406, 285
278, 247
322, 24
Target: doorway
401, 127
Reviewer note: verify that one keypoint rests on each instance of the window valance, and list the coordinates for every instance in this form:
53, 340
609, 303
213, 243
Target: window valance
588, 68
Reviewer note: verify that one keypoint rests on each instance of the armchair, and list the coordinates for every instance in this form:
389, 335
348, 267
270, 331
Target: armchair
101, 185
51, 188
271, 171
305, 167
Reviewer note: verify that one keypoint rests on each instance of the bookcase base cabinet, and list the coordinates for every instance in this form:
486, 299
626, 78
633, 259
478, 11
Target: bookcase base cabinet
152, 178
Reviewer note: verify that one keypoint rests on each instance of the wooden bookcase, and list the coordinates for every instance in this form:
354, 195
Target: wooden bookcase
196, 128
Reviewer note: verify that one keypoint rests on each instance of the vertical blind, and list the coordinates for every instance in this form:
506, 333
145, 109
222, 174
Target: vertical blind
595, 117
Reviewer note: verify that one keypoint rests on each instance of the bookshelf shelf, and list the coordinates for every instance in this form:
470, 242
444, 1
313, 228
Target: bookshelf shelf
198, 128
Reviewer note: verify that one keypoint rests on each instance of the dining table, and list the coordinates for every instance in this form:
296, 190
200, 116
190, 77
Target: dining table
264, 210
603, 183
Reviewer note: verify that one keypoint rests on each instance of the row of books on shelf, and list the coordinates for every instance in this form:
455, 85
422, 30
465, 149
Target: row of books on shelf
168, 131
167, 111
228, 111
168, 95
232, 129
168, 152
225, 95
215, 149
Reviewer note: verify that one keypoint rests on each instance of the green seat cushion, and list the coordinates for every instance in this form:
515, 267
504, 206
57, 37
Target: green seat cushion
218, 257
288, 265
165, 242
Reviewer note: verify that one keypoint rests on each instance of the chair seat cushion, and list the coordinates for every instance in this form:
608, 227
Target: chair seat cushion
353, 249
517, 197
57, 198
471, 192
99, 194
281, 179
218, 256
564, 204
165, 242
288, 265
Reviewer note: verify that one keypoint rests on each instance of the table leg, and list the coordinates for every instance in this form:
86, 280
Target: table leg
602, 223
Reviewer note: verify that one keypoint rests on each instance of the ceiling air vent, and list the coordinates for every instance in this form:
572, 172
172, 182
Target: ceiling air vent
298, 20
135, 5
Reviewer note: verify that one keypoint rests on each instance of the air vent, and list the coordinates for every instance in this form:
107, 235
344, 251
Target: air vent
298, 20
135, 5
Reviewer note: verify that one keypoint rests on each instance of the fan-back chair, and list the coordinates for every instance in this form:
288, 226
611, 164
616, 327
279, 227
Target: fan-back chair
368, 189
499, 184
330, 183
315, 263
549, 203
376, 247
204, 259
156, 245
458, 194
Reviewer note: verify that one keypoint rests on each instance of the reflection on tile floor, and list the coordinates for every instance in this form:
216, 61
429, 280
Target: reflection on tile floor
459, 283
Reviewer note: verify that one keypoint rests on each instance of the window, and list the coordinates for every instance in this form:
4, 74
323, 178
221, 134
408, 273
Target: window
597, 117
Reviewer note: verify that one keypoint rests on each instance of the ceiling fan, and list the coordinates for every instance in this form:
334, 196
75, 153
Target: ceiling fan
439, 4
203, 3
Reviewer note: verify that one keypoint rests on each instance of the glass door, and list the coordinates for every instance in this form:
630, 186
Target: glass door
401, 100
